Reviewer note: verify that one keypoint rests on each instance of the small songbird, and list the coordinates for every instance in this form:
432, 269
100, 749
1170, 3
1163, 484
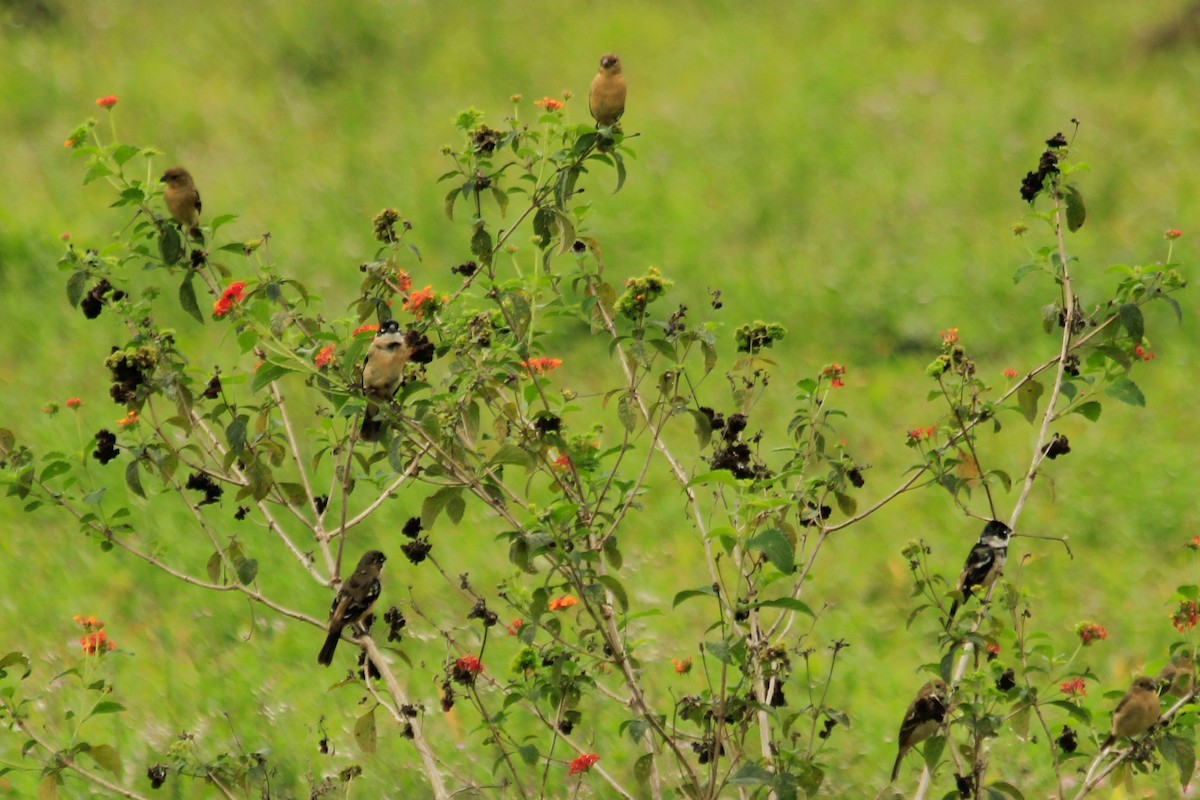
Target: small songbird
1137, 711
383, 370
183, 200
606, 99
353, 601
924, 716
1177, 677
984, 563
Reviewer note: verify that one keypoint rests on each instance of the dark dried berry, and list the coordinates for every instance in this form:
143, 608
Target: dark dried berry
466, 269
213, 390
1058, 446
482, 612
321, 502
1066, 740
106, 447
416, 550
202, 482
855, 476
241, 513
157, 773
1006, 681
547, 424
395, 621
412, 527
421, 350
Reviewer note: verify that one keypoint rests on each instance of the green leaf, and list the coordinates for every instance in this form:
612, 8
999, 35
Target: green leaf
15, 657
48, 788
247, 570
1133, 322
188, 301
642, 769
1181, 753
124, 152
749, 774
106, 707
1027, 399
511, 454
688, 594
266, 373
1076, 211
169, 245
846, 504
97, 169
788, 603
1126, 391
777, 549
1090, 410
543, 227
133, 479
481, 244
529, 754
214, 567
75, 286
235, 434
626, 412
436, 503
933, 751
1005, 789
715, 476
364, 732
1022, 271
616, 589
106, 757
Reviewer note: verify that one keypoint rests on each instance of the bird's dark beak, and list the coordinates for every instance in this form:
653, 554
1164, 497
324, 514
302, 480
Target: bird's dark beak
163, 179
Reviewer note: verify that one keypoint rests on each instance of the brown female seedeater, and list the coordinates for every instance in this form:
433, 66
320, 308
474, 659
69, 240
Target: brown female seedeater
923, 718
383, 370
606, 99
353, 601
1177, 677
183, 200
1137, 711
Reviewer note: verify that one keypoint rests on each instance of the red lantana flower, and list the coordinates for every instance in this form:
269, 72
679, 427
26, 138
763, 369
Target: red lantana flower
73, 402
1184, 618
232, 295
1194, 544
1076, 687
469, 664
1089, 632
583, 763
949, 336
682, 665
129, 420
324, 356
540, 366
515, 627
566, 601
920, 434
419, 300
107, 102
835, 371
1010, 373
1172, 233
364, 329
403, 280
549, 103
1142, 353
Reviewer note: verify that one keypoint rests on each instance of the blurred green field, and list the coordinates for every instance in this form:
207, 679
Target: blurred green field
850, 169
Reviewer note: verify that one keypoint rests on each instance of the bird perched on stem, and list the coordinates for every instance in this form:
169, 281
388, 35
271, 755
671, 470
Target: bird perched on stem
1137, 712
353, 601
924, 716
383, 370
984, 563
1177, 677
606, 99
183, 200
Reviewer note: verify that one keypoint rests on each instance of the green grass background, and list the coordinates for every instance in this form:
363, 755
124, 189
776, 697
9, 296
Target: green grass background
849, 169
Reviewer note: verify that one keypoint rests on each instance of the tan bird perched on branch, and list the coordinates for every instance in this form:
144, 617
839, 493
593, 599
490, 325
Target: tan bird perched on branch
606, 99
923, 718
183, 200
383, 370
1137, 711
1176, 678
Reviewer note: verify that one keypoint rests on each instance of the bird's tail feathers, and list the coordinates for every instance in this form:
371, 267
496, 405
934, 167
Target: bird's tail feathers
326, 655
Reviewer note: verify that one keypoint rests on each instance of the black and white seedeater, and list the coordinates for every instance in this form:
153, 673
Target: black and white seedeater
353, 601
984, 564
383, 370
183, 200
606, 99
1137, 711
923, 718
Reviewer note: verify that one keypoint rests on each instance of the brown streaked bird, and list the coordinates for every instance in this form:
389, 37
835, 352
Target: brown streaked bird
1177, 677
923, 718
353, 601
1137, 712
383, 370
183, 200
606, 99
